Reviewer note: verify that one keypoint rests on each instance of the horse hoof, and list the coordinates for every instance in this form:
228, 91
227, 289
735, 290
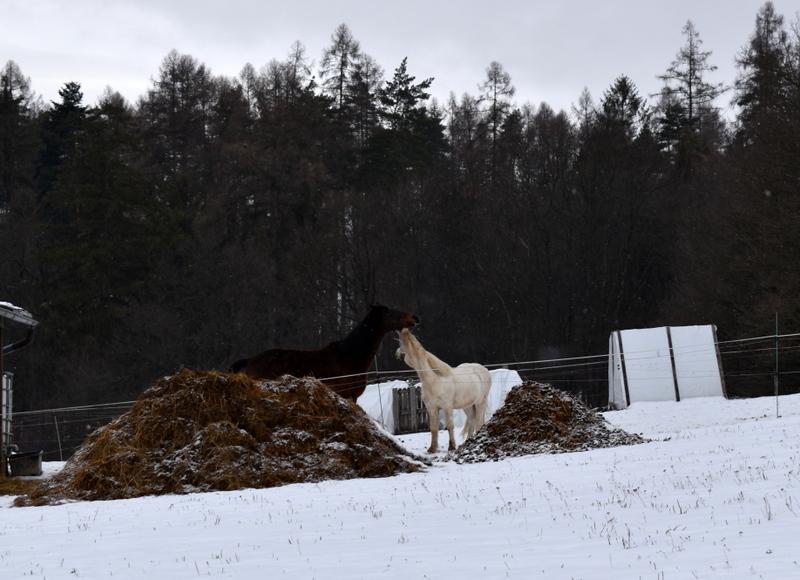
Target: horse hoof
431, 449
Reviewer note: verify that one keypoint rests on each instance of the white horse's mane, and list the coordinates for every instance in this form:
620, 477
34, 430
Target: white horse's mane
437, 365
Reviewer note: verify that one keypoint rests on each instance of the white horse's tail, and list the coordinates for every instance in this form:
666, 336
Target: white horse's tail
475, 419
465, 432
480, 410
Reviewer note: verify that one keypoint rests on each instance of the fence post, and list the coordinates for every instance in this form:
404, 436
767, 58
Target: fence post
396, 410
58, 438
775, 379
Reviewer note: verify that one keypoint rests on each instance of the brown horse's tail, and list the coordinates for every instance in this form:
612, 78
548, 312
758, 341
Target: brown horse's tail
239, 365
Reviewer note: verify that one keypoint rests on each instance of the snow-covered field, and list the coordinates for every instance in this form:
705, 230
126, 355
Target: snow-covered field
716, 495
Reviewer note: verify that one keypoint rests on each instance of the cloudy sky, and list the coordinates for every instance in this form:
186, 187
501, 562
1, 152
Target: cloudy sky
552, 49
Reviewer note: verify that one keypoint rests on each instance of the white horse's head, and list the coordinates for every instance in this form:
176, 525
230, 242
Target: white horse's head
409, 347
417, 357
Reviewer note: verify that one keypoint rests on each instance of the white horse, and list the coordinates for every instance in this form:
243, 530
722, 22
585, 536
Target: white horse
444, 387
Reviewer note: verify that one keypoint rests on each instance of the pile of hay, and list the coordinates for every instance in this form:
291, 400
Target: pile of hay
538, 419
208, 431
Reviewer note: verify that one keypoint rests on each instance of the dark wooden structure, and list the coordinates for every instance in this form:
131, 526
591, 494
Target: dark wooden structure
410, 414
14, 314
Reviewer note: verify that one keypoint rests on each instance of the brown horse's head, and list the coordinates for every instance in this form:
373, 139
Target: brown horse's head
390, 319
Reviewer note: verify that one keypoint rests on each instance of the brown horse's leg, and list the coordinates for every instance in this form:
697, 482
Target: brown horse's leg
433, 415
448, 419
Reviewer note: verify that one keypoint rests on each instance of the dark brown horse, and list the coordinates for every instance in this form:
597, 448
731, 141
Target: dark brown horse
341, 365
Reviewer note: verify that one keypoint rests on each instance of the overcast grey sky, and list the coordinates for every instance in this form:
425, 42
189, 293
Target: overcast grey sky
552, 49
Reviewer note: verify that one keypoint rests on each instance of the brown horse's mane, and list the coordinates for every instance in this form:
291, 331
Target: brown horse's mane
365, 337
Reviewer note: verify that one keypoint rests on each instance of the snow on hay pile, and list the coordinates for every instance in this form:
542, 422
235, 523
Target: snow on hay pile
208, 431
538, 419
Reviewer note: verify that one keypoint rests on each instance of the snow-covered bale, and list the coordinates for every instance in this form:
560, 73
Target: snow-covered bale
208, 431
538, 419
377, 402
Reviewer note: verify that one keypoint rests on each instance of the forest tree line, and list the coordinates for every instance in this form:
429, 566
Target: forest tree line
217, 217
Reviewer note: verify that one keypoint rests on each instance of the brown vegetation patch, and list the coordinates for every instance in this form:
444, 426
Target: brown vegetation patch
16, 486
208, 431
537, 419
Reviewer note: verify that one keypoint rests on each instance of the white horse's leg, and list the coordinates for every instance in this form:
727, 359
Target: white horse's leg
448, 417
433, 415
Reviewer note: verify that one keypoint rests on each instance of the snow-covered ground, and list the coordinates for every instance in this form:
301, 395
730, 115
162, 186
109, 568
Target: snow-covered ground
716, 495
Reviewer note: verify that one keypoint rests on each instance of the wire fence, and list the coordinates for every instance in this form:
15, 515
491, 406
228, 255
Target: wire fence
752, 367
58, 432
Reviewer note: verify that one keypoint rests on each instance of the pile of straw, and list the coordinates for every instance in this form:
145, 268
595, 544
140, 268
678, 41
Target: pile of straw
538, 419
208, 431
